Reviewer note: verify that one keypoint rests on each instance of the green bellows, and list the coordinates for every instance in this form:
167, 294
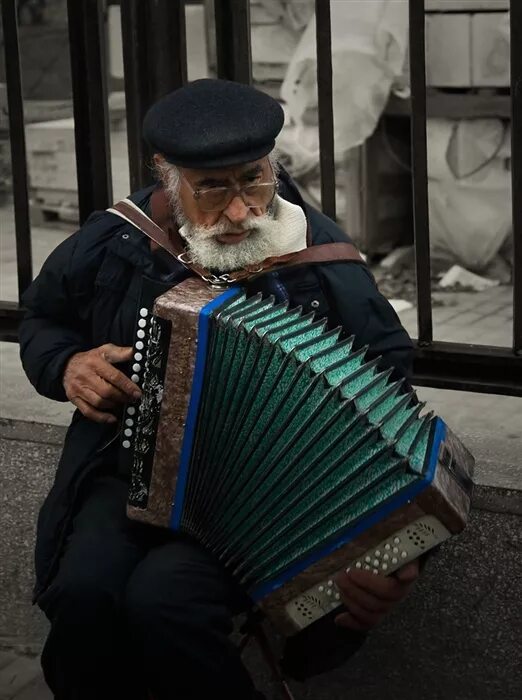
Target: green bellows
298, 437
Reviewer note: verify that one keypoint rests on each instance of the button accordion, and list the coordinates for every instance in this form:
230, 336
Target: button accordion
282, 449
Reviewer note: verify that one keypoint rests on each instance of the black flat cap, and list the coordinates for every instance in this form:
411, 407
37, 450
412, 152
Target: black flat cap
213, 124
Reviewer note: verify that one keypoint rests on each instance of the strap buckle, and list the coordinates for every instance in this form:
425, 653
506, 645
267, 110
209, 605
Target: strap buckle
181, 258
218, 281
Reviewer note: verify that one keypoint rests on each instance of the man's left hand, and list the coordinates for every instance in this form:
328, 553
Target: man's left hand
369, 597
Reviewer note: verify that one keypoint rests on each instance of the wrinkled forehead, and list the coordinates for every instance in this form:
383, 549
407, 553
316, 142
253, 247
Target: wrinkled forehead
210, 176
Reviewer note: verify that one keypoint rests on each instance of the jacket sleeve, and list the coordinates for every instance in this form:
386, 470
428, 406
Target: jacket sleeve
363, 312
58, 302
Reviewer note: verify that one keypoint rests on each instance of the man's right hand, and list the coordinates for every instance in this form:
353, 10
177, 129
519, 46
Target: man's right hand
95, 386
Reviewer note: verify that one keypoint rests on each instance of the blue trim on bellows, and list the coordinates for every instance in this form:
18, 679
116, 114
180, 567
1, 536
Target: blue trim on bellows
408, 494
195, 396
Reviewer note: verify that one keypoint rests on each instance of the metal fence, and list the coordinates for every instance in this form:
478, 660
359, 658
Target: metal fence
155, 61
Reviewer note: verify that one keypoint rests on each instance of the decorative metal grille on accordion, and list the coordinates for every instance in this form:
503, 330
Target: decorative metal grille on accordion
283, 450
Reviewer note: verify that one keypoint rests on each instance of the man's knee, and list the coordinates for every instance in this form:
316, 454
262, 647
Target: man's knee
176, 590
78, 598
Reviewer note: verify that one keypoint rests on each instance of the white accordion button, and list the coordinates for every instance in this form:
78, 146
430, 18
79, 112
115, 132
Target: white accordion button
131, 410
142, 323
320, 589
387, 546
337, 596
127, 432
136, 367
377, 553
139, 345
404, 555
135, 378
384, 567
367, 559
140, 334
138, 357
126, 444
396, 540
129, 422
385, 557
357, 566
144, 312
395, 550
376, 562
329, 591
394, 560
330, 583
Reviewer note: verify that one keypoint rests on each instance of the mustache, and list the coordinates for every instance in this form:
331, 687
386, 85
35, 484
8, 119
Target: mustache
223, 227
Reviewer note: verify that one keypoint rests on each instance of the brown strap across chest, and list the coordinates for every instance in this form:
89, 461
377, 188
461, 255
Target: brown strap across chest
173, 243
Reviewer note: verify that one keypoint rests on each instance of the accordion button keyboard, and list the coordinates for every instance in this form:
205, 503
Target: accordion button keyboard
139, 345
144, 312
414, 539
126, 444
135, 378
140, 334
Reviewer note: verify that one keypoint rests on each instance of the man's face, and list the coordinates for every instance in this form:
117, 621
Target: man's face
233, 234
236, 212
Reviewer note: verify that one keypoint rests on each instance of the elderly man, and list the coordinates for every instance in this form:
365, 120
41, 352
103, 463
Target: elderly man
134, 609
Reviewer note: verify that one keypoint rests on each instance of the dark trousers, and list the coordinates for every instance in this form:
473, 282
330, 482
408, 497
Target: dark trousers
135, 609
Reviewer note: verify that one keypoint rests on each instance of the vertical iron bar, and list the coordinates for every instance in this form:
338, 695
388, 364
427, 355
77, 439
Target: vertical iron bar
17, 140
168, 45
420, 170
91, 112
155, 63
137, 87
516, 168
233, 50
325, 106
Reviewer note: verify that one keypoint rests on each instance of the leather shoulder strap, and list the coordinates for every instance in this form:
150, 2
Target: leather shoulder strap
134, 215
325, 253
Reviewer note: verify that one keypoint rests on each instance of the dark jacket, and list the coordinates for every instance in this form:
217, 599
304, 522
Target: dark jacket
87, 293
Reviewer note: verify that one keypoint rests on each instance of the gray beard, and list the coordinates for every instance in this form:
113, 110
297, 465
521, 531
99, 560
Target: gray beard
206, 250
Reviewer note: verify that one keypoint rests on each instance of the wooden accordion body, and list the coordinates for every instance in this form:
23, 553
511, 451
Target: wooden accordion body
282, 450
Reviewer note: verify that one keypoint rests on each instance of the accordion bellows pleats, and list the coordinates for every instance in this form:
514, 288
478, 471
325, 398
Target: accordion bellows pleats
280, 447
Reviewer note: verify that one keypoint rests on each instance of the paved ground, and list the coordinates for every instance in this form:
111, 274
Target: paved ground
20, 678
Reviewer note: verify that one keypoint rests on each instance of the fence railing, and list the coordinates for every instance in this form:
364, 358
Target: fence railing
155, 62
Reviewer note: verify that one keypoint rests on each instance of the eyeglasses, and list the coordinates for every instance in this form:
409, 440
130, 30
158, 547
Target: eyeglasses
258, 194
